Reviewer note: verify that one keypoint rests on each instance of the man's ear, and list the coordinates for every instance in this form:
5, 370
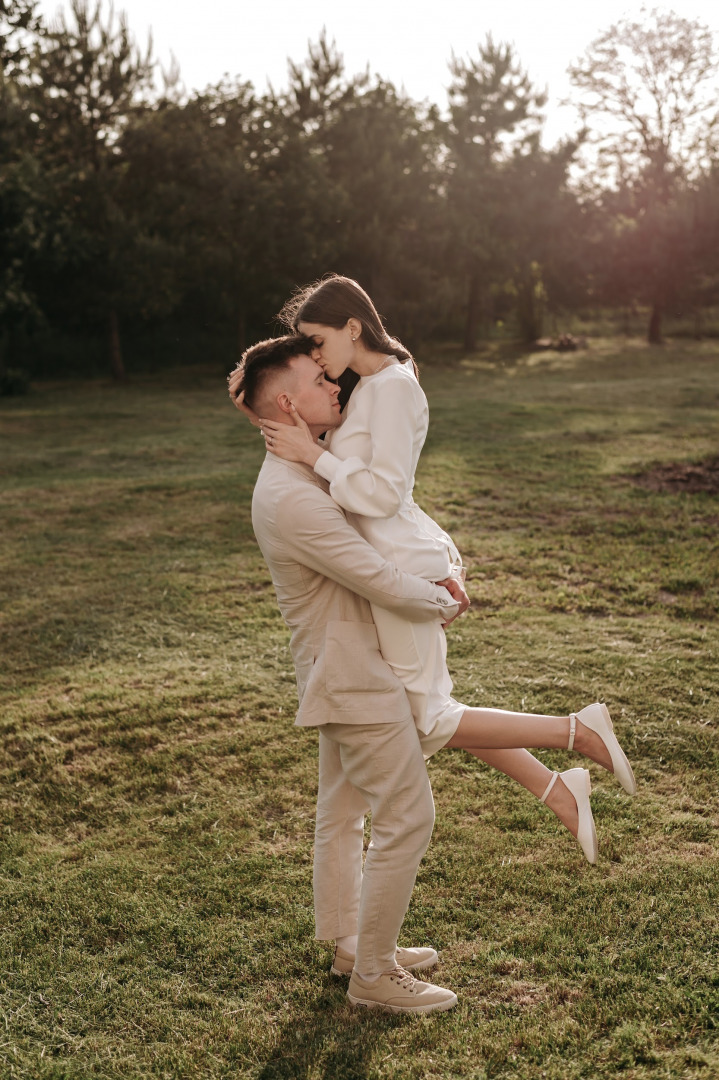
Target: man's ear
283, 402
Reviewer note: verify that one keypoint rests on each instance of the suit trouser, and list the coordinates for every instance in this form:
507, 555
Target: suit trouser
378, 768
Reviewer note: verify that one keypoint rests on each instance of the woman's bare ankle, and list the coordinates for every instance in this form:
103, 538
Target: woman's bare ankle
562, 803
591, 745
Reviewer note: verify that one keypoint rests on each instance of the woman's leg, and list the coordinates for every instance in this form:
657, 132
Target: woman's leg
417, 654
523, 767
498, 737
497, 729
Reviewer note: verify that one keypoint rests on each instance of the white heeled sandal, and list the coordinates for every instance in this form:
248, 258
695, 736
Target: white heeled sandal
596, 717
578, 783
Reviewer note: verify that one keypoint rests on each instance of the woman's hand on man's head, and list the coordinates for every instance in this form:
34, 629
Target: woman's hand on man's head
234, 380
293, 442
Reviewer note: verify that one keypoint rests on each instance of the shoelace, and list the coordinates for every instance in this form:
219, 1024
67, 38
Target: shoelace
405, 978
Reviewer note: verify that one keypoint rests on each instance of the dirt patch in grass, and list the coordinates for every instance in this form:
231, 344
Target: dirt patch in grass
682, 476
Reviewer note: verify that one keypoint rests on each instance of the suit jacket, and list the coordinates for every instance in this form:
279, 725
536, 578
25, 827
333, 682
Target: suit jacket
325, 575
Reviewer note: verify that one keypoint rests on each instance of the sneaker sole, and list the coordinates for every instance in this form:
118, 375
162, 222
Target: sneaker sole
439, 1006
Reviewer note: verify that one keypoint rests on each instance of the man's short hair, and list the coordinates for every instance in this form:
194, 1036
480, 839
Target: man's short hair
264, 359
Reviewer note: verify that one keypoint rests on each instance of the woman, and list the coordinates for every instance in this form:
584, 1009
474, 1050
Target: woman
370, 461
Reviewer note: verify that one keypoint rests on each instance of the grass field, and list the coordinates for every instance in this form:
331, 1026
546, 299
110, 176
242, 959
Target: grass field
157, 803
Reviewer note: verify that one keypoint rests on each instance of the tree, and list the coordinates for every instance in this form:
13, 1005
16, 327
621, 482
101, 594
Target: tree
192, 179
650, 90
493, 110
19, 21
22, 190
90, 78
538, 231
379, 152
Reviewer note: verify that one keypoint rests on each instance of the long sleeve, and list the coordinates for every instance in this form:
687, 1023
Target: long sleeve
394, 412
317, 535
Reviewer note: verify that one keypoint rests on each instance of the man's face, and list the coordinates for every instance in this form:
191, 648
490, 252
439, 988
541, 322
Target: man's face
313, 396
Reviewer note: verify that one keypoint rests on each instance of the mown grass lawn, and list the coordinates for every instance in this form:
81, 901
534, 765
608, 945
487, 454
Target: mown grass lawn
157, 803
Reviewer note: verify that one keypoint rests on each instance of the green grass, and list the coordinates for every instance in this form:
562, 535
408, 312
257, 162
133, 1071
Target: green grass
157, 803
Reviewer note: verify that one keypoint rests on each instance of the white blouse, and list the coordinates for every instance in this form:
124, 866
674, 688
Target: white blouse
370, 464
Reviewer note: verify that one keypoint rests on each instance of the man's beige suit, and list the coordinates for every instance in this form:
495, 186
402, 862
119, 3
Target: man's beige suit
325, 576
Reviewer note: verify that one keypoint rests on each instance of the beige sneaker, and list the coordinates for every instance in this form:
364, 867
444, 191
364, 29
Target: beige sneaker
397, 991
409, 959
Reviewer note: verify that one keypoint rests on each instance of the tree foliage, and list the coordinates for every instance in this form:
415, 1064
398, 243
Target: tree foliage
648, 94
648, 91
508, 204
127, 203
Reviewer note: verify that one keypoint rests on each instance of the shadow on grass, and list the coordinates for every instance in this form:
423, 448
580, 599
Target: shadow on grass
333, 1040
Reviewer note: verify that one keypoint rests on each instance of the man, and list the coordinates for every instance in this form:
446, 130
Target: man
325, 575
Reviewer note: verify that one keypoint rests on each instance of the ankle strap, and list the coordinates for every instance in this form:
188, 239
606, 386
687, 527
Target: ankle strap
549, 787
572, 730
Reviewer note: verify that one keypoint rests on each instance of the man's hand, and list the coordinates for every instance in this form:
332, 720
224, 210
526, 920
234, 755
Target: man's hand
456, 590
293, 443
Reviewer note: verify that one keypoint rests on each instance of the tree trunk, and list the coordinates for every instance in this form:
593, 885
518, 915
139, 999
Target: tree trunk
654, 333
530, 304
241, 332
473, 312
487, 314
117, 366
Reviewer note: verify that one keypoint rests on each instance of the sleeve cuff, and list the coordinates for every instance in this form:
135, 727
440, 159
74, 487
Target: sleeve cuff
450, 605
327, 466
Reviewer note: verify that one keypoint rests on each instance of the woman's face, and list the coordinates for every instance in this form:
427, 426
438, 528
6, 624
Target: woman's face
335, 348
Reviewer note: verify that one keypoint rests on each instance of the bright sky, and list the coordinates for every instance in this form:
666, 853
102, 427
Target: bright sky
407, 41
